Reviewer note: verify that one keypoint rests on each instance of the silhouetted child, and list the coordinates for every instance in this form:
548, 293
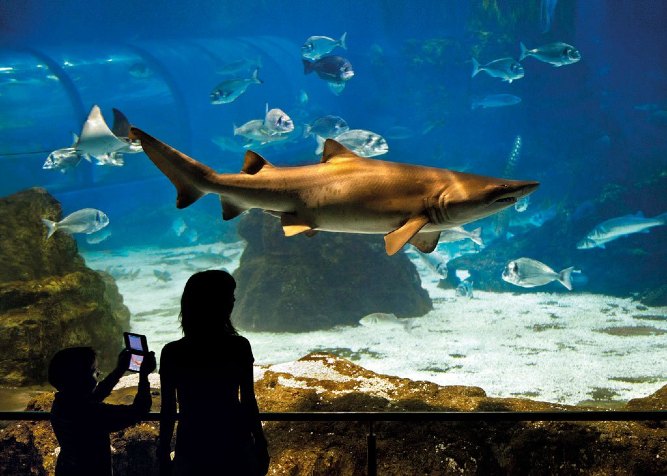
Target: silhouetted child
209, 373
80, 420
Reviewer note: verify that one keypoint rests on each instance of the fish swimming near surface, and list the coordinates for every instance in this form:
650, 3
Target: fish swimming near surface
327, 127
507, 69
361, 142
86, 220
556, 54
529, 273
618, 227
344, 193
229, 90
383, 319
495, 100
335, 70
317, 46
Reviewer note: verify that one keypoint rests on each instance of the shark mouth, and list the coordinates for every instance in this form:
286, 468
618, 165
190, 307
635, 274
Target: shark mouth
506, 200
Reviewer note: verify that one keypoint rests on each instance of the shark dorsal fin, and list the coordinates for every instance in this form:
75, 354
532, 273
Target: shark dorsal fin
253, 163
333, 148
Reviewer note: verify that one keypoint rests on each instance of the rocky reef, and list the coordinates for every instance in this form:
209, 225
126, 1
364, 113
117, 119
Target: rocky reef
323, 382
300, 284
49, 299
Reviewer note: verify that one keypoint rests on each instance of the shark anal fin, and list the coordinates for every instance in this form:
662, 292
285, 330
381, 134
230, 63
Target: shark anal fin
253, 163
293, 225
229, 210
396, 239
425, 242
183, 171
333, 148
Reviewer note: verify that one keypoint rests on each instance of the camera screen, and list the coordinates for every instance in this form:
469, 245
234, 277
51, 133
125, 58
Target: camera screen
135, 362
135, 342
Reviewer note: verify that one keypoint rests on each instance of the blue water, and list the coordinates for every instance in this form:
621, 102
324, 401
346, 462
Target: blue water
593, 132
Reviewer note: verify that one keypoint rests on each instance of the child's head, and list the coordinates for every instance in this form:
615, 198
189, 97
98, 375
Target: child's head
73, 370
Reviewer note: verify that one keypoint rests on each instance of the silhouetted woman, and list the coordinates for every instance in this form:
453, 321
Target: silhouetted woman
209, 373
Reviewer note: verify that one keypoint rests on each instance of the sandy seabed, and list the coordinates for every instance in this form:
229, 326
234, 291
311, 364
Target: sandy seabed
557, 347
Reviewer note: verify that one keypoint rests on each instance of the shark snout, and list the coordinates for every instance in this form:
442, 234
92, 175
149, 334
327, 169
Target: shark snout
512, 191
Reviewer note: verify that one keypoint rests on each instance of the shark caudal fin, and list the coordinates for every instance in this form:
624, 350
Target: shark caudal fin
185, 173
50, 227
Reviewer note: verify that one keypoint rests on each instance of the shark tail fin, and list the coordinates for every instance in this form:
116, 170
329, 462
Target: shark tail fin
121, 126
524, 51
255, 76
565, 277
662, 217
475, 67
50, 227
185, 173
342, 40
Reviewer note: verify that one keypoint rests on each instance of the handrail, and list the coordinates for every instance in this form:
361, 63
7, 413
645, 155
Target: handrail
372, 417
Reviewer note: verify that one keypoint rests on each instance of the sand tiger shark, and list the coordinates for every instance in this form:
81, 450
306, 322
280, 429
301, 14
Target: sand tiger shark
343, 193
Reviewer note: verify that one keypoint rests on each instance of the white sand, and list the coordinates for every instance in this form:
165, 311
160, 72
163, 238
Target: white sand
544, 346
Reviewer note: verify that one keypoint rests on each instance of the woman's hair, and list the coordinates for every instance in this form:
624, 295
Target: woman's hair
70, 367
207, 303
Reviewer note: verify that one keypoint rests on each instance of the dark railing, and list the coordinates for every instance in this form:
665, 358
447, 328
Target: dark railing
372, 417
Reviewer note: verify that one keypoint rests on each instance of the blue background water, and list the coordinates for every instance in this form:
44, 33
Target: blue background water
581, 127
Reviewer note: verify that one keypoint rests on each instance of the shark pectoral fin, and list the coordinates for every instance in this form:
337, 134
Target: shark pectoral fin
293, 225
395, 240
253, 163
425, 242
183, 171
230, 210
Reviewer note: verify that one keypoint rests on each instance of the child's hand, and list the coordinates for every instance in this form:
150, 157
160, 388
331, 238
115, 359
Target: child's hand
124, 360
148, 365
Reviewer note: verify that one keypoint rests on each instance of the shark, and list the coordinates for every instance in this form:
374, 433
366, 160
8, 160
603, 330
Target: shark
343, 193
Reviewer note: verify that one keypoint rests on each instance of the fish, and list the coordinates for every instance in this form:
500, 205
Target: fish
495, 100
614, 228
98, 236
436, 262
86, 220
458, 233
277, 122
344, 193
382, 319
327, 127
522, 205
465, 289
536, 220
317, 46
529, 273
335, 70
361, 142
507, 69
98, 141
255, 132
229, 90
140, 70
64, 159
557, 54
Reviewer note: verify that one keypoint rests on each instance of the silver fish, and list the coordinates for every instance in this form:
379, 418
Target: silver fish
615, 228
276, 121
458, 233
326, 126
255, 132
63, 159
436, 262
557, 54
495, 100
98, 236
382, 319
528, 273
86, 220
229, 90
507, 69
361, 142
317, 46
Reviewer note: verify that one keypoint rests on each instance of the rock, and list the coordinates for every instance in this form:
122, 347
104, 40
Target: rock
49, 299
323, 382
300, 284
